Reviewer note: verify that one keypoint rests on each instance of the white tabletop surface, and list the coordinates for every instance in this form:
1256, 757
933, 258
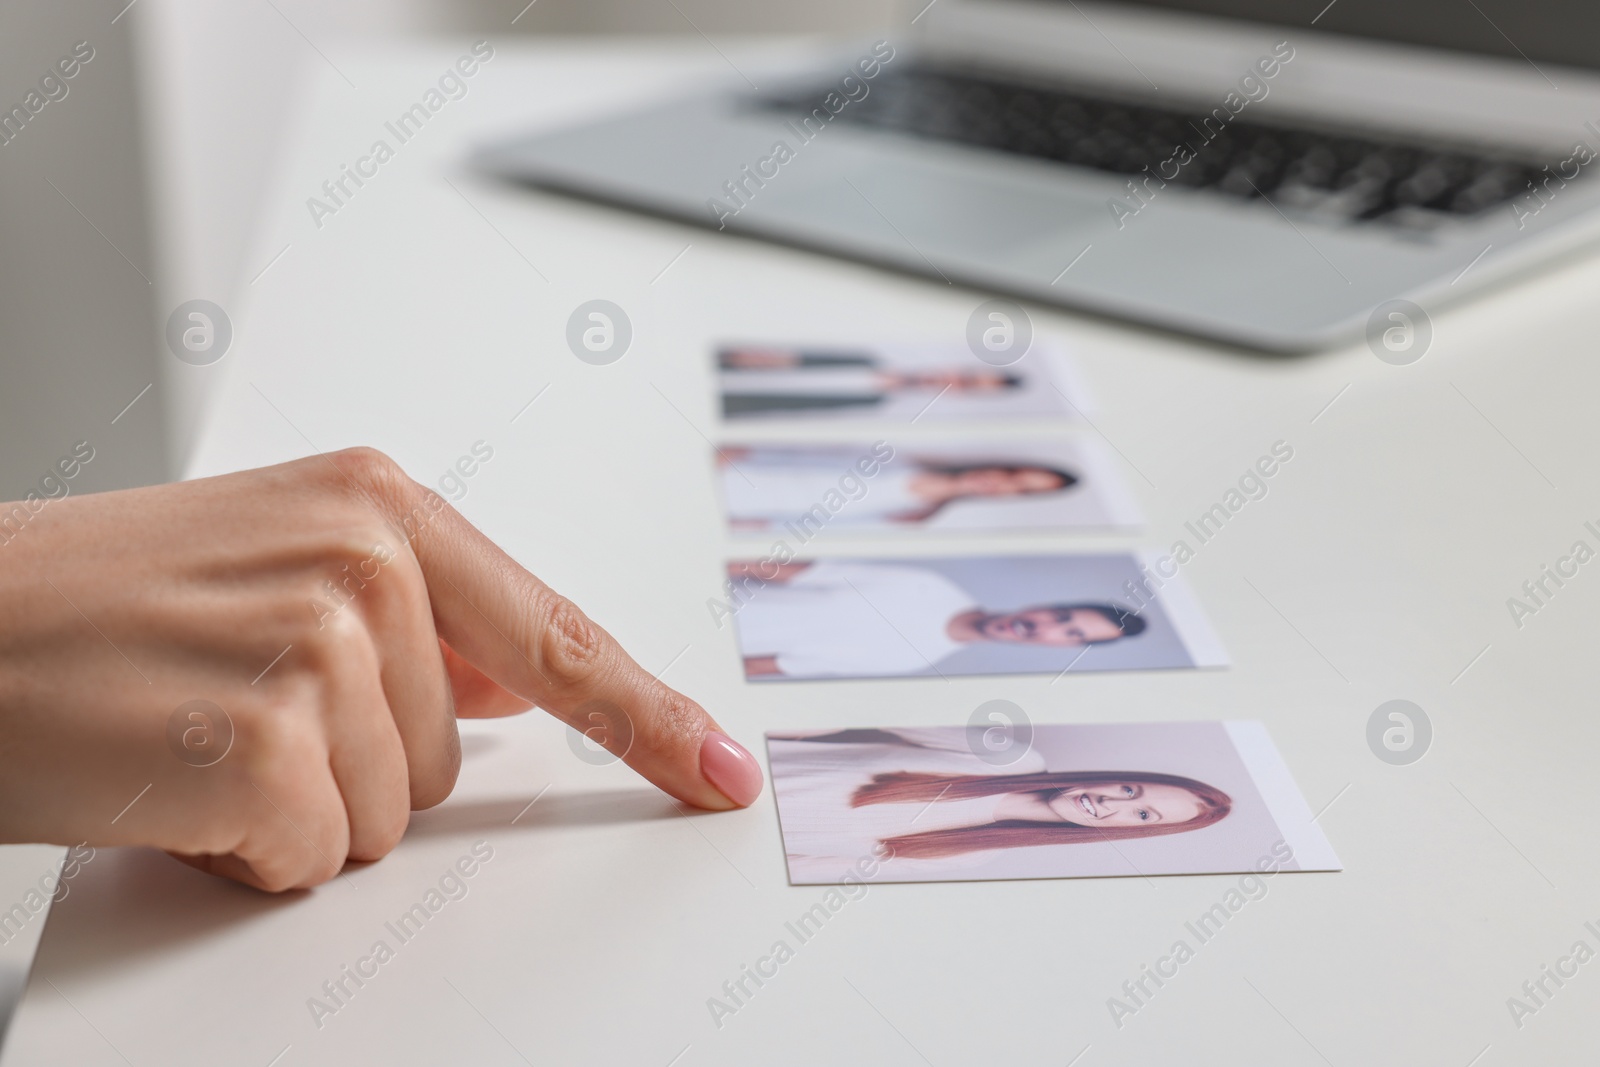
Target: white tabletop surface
422, 318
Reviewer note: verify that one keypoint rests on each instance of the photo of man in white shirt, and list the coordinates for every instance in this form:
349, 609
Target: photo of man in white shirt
859, 619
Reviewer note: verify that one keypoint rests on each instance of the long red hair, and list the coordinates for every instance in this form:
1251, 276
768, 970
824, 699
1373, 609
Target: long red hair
900, 787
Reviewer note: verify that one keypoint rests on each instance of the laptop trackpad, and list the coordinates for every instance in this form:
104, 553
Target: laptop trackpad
937, 211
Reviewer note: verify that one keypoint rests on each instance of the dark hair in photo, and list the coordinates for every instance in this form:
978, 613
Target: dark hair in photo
907, 787
956, 470
1128, 621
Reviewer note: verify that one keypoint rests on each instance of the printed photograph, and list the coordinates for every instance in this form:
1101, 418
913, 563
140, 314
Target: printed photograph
947, 803
984, 486
945, 617
889, 383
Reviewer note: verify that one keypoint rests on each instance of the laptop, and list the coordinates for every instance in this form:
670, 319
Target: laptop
1266, 173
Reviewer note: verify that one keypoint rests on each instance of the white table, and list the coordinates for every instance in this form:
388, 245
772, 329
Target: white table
1419, 499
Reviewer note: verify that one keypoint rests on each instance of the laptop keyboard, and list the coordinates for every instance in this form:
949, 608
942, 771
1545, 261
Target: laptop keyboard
1336, 178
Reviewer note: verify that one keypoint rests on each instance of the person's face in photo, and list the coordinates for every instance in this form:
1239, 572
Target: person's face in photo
1050, 626
955, 381
758, 358
1131, 803
1000, 481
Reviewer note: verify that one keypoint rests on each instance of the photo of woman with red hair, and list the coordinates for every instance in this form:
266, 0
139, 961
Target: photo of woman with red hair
934, 803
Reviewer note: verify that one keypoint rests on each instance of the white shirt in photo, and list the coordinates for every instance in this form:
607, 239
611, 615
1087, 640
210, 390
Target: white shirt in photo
853, 620
823, 836
827, 381
768, 490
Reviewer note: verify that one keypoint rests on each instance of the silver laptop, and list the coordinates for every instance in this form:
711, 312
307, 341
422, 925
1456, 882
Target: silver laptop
1269, 173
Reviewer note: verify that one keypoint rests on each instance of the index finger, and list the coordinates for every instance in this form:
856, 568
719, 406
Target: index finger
542, 647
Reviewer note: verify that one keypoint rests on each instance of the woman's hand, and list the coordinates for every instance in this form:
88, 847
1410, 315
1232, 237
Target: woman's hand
340, 616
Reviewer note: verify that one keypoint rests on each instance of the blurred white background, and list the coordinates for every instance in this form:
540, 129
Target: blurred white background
140, 189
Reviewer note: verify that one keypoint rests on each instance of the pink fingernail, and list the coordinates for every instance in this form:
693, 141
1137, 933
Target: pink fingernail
730, 767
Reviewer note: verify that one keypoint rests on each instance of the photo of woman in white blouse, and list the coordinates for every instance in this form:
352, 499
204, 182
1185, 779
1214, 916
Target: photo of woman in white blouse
928, 802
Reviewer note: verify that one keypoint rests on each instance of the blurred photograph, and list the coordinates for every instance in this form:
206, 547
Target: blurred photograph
888, 383
945, 617
950, 803
1011, 485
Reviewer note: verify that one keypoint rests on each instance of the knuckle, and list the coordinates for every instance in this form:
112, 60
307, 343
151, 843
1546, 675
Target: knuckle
365, 464
352, 546
276, 736
373, 474
675, 723
572, 650
369, 564
337, 640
